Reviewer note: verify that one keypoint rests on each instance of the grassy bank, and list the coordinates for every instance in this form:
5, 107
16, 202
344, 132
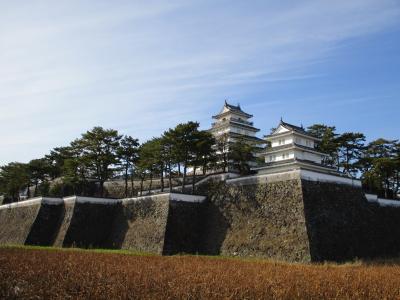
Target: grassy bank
103, 274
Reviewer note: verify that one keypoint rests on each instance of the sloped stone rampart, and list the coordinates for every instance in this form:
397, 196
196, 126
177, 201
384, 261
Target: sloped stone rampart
342, 225
16, 223
140, 225
183, 227
262, 220
47, 224
290, 218
285, 217
90, 225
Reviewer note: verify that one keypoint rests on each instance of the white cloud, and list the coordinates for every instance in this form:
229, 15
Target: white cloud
142, 66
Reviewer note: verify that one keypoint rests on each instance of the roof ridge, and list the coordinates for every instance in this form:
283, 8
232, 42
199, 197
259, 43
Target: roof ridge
301, 128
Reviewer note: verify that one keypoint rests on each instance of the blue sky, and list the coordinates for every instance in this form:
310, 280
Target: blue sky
144, 66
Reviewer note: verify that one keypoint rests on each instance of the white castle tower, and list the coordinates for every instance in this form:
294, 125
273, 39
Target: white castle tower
233, 122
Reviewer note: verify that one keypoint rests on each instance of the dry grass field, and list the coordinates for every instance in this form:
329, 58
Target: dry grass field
66, 274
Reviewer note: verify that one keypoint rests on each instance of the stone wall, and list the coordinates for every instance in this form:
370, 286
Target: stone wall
47, 224
182, 233
263, 220
140, 224
288, 218
161, 224
90, 225
283, 216
64, 222
342, 225
16, 222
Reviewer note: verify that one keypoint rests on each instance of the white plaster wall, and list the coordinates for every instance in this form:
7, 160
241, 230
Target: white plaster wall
288, 175
304, 142
187, 198
386, 202
371, 197
279, 156
308, 156
289, 154
316, 176
284, 141
33, 201
91, 200
382, 202
242, 131
170, 196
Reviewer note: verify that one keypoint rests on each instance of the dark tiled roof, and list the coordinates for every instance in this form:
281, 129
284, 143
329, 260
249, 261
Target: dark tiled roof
234, 108
294, 127
270, 149
233, 123
247, 137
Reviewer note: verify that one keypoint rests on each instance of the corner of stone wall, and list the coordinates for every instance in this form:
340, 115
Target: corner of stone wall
16, 223
343, 226
183, 228
260, 219
140, 225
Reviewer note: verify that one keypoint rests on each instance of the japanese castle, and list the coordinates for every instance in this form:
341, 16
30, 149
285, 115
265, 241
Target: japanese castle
292, 147
289, 147
234, 123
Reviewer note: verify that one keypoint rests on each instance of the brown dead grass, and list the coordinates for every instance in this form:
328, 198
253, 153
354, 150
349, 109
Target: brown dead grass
38, 274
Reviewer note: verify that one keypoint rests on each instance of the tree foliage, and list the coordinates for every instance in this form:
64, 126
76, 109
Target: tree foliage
82, 167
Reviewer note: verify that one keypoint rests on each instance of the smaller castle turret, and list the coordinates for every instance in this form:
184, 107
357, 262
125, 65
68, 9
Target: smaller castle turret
292, 147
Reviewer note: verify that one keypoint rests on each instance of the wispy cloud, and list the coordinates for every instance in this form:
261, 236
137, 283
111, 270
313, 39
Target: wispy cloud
142, 66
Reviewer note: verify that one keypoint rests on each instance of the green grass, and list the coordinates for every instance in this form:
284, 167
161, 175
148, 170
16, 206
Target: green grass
356, 262
48, 248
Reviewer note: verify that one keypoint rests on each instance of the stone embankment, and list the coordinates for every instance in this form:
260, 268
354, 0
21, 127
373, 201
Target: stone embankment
297, 216
141, 224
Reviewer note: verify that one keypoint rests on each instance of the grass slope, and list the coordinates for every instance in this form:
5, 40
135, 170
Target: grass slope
34, 272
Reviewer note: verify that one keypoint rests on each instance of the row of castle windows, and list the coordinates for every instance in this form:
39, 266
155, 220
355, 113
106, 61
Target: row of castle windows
299, 141
308, 143
284, 156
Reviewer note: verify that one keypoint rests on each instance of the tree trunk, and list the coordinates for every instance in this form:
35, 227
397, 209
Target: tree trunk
169, 177
151, 182
132, 187
126, 181
36, 188
193, 179
101, 189
162, 180
184, 177
141, 185
179, 169
28, 191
